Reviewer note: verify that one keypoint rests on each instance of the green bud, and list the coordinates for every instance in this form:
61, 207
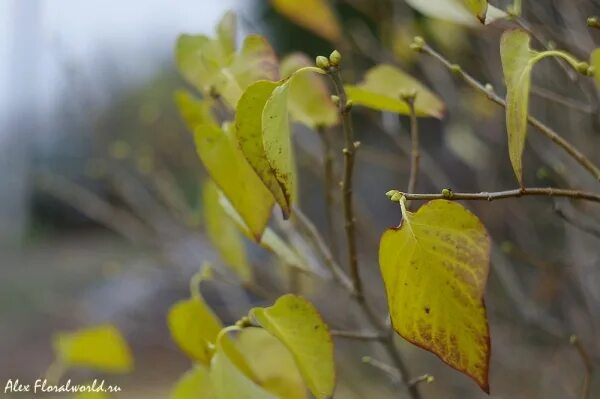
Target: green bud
243, 322
429, 379
447, 193
418, 44
390, 193
489, 88
335, 58
335, 99
396, 197
348, 106
322, 62
366, 359
593, 22
456, 69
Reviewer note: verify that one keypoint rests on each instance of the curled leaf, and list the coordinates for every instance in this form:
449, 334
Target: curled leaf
435, 268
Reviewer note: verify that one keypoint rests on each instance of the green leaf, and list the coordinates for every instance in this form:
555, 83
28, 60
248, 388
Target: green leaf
272, 363
101, 348
314, 15
435, 268
270, 240
194, 328
309, 98
517, 63
249, 132
383, 86
193, 110
464, 12
194, 384
226, 32
229, 169
200, 60
298, 325
224, 234
229, 381
595, 62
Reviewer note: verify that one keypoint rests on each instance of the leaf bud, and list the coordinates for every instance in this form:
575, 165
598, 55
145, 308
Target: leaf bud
322, 62
447, 193
593, 22
335, 99
396, 197
335, 58
390, 193
418, 44
348, 106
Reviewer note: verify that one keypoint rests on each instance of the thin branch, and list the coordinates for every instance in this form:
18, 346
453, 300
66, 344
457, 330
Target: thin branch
427, 378
386, 368
491, 94
357, 335
328, 163
498, 195
587, 363
561, 100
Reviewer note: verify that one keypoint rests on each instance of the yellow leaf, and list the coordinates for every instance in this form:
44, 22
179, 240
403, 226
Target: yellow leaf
228, 381
194, 328
383, 86
462, 12
272, 363
298, 325
249, 131
229, 169
194, 111
517, 63
223, 233
277, 141
478, 8
194, 384
100, 348
226, 32
314, 15
309, 98
595, 62
200, 59
435, 268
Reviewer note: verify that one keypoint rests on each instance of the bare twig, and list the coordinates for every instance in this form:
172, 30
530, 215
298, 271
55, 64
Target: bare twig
357, 335
516, 193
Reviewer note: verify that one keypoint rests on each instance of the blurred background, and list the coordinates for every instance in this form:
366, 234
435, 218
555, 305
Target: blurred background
100, 210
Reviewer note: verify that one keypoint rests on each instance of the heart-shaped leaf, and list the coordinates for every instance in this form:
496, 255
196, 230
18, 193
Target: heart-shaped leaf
382, 89
298, 325
517, 63
101, 348
435, 268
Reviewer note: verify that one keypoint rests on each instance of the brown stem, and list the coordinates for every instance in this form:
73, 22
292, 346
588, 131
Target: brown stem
542, 128
516, 193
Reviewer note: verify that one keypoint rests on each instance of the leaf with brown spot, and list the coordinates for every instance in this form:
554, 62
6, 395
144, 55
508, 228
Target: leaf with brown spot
435, 268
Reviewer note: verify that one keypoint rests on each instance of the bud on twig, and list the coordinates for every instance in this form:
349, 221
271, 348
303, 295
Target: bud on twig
335, 58
335, 99
322, 62
418, 44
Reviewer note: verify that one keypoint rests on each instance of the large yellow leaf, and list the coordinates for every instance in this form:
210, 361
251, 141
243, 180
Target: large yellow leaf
223, 233
517, 63
277, 141
383, 86
101, 348
249, 132
298, 325
309, 98
194, 384
314, 15
229, 169
228, 381
272, 363
435, 267
193, 110
464, 12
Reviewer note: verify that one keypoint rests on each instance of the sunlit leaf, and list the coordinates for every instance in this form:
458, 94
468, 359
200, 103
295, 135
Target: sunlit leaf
194, 384
193, 110
249, 132
517, 63
226, 32
229, 382
277, 141
383, 86
200, 59
478, 8
595, 62
309, 99
272, 363
298, 325
223, 233
435, 268
270, 240
229, 169
314, 15
465, 12
101, 348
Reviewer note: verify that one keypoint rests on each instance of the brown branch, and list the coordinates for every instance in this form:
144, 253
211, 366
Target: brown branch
585, 162
516, 193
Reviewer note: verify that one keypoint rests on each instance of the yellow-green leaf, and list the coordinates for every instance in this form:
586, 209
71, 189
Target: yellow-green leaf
101, 348
478, 8
249, 132
517, 63
194, 384
224, 234
383, 86
193, 110
200, 59
309, 98
272, 363
314, 15
228, 381
277, 141
464, 12
595, 62
226, 32
297, 324
435, 268
229, 169
194, 328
